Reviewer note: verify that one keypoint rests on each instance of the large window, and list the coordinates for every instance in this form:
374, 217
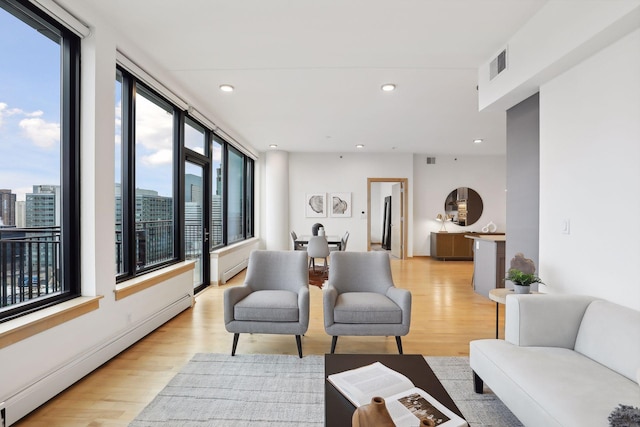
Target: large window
145, 162
162, 157
39, 161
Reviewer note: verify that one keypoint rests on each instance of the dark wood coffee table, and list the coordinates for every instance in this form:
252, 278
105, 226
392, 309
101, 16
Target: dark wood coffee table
338, 410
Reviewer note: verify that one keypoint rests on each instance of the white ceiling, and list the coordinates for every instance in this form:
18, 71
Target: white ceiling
307, 73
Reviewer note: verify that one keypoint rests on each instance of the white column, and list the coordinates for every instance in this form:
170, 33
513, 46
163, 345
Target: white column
277, 200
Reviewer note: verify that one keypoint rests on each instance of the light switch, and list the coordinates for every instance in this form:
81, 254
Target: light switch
565, 226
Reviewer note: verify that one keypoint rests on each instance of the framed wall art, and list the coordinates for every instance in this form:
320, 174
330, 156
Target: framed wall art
340, 205
315, 205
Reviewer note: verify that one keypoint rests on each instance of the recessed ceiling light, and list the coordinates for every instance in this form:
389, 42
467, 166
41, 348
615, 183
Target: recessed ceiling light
226, 88
477, 141
388, 87
359, 145
273, 145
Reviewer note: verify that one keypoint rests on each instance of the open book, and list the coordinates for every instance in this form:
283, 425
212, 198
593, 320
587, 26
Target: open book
406, 403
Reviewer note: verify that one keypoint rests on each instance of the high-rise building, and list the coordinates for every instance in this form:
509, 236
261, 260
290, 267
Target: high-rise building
153, 224
7, 208
42, 207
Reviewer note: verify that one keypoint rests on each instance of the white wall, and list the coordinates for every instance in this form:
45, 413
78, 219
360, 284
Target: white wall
589, 157
433, 183
559, 36
329, 173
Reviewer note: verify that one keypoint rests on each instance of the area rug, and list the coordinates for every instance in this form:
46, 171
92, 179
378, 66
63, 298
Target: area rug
318, 277
280, 390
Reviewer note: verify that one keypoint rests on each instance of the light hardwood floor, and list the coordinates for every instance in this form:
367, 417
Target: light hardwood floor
446, 315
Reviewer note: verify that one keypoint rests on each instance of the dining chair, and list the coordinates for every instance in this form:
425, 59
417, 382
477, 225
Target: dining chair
296, 246
360, 298
343, 243
318, 248
274, 298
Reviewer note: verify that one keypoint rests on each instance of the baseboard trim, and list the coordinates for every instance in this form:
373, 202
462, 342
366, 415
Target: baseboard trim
49, 385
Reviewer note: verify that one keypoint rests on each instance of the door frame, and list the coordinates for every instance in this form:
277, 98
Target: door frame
205, 164
405, 210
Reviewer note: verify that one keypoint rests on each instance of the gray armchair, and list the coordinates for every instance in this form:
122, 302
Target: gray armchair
360, 298
274, 298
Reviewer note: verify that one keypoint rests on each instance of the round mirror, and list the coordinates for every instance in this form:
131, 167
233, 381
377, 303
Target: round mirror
464, 206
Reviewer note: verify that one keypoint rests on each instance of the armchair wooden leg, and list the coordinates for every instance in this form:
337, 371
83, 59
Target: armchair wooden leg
478, 384
299, 343
399, 342
235, 344
334, 341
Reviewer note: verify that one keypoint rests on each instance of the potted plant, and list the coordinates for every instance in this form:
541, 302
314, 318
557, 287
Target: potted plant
522, 281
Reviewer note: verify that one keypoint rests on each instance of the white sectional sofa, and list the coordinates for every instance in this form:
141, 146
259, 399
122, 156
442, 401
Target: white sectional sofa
566, 360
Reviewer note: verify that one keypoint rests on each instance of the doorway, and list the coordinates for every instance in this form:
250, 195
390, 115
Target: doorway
386, 215
196, 214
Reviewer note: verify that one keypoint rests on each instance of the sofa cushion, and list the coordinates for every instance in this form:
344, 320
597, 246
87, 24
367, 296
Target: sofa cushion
556, 385
366, 307
268, 306
610, 335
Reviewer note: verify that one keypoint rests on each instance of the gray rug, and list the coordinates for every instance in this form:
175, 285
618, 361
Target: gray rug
279, 390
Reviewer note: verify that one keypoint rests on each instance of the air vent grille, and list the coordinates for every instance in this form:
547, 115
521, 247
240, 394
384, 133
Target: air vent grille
431, 160
498, 65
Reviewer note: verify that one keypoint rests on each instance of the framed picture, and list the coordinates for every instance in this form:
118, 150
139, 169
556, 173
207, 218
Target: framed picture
315, 205
340, 205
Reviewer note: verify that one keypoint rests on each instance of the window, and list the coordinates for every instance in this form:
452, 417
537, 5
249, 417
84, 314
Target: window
216, 236
162, 158
39, 158
145, 162
154, 177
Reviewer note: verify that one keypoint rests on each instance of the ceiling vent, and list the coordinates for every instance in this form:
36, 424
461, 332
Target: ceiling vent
498, 65
431, 160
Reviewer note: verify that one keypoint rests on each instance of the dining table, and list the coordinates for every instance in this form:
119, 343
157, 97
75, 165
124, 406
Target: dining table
331, 240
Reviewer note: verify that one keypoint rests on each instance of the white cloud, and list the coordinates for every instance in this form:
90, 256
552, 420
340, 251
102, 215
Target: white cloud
160, 157
43, 134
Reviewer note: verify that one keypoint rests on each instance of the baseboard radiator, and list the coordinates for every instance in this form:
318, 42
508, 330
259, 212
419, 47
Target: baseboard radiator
45, 388
231, 260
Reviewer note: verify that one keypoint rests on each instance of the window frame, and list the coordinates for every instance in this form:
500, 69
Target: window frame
130, 83
70, 250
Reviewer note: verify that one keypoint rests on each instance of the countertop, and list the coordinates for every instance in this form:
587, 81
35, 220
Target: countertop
488, 237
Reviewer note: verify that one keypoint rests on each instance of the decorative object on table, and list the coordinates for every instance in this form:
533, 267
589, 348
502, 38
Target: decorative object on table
374, 414
443, 218
340, 205
522, 281
625, 416
521, 274
489, 228
321, 231
368, 386
315, 205
315, 227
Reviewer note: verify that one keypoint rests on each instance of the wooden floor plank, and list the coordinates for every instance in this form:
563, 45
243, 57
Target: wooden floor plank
446, 315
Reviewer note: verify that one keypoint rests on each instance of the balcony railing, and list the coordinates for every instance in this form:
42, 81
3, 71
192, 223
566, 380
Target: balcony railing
29, 263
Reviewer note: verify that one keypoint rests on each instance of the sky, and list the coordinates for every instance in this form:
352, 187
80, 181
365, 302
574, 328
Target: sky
30, 118
29, 107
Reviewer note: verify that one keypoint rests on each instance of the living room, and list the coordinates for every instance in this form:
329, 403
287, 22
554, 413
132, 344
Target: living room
584, 64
